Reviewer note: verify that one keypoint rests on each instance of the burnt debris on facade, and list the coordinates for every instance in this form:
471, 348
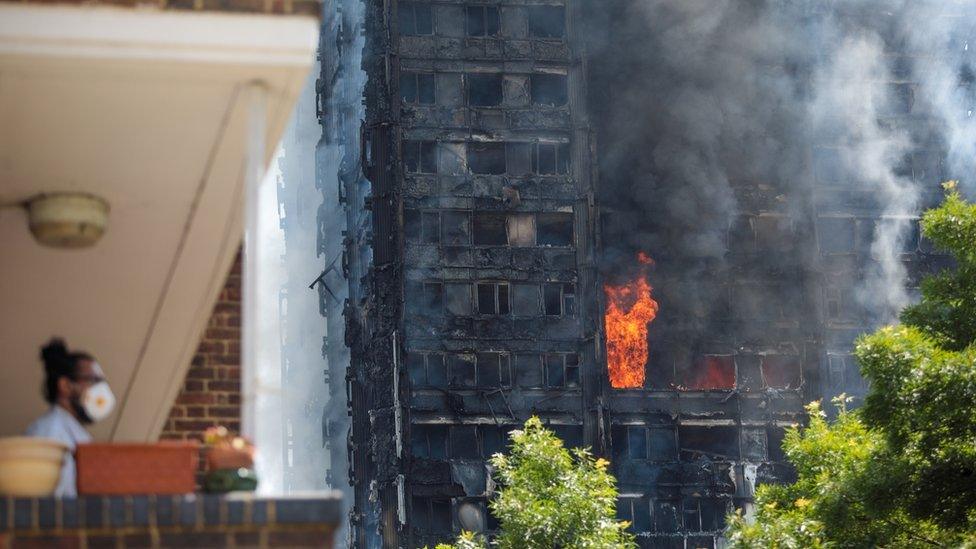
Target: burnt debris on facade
483, 182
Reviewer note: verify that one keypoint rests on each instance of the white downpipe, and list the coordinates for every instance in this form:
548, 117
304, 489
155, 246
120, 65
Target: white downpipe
261, 334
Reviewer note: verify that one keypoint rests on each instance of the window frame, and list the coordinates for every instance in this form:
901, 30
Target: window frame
564, 297
566, 367
416, 76
421, 144
562, 156
468, 76
412, 7
484, 21
496, 285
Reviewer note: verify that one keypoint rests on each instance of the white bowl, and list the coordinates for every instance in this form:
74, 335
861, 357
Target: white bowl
30, 466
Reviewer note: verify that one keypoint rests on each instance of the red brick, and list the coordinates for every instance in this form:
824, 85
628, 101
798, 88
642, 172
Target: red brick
229, 386
208, 346
225, 359
195, 398
223, 333
201, 372
193, 425
196, 412
230, 412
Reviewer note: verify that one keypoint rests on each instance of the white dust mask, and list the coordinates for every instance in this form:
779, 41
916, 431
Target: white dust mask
98, 401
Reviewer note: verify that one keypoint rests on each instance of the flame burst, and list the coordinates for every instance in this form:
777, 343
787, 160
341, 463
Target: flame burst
630, 308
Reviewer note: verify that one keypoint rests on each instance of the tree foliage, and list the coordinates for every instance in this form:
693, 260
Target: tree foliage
551, 497
901, 470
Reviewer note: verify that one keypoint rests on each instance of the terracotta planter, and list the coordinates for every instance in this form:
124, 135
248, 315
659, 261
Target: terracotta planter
228, 458
130, 469
30, 466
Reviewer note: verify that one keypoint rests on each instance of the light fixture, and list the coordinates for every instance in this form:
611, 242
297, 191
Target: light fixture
67, 219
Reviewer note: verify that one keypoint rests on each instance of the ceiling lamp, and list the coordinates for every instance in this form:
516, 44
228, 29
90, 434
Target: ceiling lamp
67, 220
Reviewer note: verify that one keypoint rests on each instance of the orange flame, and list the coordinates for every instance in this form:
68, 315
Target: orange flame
630, 308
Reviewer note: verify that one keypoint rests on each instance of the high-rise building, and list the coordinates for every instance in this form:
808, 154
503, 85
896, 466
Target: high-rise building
505, 234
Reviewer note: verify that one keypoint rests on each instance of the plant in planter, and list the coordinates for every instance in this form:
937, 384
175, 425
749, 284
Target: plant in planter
230, 462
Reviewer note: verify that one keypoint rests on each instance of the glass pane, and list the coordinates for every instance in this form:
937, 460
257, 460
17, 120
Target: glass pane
436, 370
637, 442
491, 21
476, 20
408, 87
504, 304
425, 89
488, 370
428, 157
486, 299
553, 299
430, 232
546, 159
425, 19
554, 370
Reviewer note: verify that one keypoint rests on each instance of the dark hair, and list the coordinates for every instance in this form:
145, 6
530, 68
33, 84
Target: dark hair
58, 363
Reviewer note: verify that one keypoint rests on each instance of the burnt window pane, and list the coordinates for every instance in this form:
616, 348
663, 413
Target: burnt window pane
569, 299
637, 443
492, 439
411, 156
440, 516
408, 87
547, 21
528, 371
416, 19
490, 229
549, 89
505, 371
504, 303
462, 371
525, 298
420, 157
433, 297
419, 513
464, 442
416, 369
456, 228
482, 21
486, 158
436, 370
553, 299
562, 158
412, 225
437, 441
486, 299
554, 370
484, 90
554, 229
642, 515
572, 376
663, 446
418, 442
428, 157
544, 161
425, 89
430, 228
488, 370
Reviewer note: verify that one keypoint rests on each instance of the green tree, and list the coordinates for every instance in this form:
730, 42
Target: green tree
551, 497
901, 470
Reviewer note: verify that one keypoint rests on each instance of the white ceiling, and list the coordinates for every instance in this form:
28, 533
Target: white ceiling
147, 110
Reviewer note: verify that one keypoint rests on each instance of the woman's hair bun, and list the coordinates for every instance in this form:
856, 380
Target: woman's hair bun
54, 353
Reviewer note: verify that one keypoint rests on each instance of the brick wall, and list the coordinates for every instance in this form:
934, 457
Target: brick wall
211, 392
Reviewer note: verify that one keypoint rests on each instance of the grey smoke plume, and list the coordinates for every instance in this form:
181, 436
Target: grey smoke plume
783, 111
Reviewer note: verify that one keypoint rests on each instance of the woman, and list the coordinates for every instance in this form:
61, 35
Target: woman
79, 395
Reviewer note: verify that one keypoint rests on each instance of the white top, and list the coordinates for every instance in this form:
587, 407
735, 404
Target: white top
60, 425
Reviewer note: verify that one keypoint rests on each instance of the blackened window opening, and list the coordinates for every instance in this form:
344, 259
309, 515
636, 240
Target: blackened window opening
415, 19
549, 89
547, 21
493, 298
554, 229
550, 158
482, 21
486, 158
420, 156
417, 88
490, 229
484, 90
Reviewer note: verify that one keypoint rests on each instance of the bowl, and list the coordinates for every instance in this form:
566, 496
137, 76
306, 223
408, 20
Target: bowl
30, 466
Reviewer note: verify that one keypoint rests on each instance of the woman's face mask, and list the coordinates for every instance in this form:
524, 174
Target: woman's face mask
96, 401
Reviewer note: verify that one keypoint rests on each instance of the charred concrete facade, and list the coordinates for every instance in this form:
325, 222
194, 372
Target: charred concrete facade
483, 222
